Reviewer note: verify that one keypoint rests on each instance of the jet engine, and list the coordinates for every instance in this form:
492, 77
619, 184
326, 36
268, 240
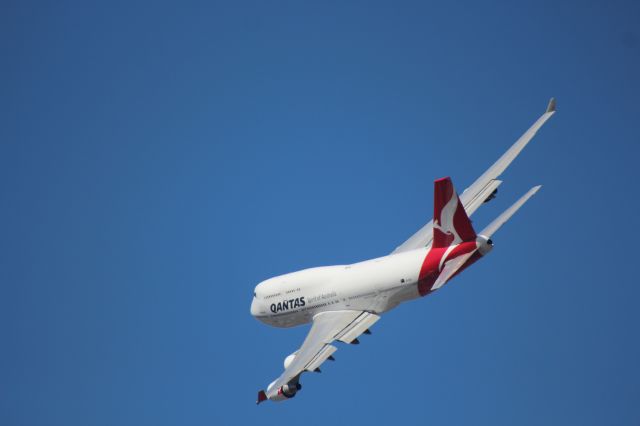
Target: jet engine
284, 392
290, 389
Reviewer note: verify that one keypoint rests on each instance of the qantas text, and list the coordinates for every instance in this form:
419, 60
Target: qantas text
288, 304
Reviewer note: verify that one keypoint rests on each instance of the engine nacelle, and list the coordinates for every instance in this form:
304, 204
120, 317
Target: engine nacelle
288, 360
290, 389
283, 393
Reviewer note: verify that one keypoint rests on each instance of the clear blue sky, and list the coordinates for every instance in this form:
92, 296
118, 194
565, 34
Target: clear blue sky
158, 160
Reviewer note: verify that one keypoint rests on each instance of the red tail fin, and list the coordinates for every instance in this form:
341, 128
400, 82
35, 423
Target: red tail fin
451, 225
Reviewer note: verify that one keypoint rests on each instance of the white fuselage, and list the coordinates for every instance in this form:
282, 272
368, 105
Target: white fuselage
376, 285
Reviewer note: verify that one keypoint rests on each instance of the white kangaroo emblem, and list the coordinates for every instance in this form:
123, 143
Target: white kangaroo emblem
445, 225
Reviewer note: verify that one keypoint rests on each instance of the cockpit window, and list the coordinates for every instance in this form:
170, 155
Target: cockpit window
254, 294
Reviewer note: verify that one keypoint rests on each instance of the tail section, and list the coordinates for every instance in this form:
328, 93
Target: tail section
451, 225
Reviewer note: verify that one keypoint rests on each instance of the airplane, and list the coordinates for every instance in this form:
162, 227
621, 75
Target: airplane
343, 301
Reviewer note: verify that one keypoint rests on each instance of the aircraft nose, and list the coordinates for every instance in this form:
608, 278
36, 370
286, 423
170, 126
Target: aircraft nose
254, 307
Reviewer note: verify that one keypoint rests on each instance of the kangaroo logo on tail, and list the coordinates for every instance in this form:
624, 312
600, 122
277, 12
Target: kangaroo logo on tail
451, 225
453, 234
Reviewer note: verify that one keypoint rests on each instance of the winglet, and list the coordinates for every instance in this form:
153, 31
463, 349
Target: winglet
552, 105
261, 397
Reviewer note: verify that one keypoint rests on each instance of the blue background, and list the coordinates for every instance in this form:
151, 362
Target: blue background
159, 160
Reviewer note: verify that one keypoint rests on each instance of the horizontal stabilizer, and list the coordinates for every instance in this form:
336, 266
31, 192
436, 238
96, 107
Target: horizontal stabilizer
504, 217
450, 269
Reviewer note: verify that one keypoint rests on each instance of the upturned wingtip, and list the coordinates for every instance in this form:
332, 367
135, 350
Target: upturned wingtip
551, 107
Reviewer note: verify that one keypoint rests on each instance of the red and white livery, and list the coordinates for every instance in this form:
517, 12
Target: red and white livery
344, 301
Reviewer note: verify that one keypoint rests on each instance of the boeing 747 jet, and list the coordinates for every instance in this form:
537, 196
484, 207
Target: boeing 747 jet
342, 302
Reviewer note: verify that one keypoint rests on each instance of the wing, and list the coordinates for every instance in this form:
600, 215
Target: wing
344, 326
484, 187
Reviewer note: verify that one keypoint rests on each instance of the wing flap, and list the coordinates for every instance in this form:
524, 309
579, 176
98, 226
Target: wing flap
482, 196
359, 326
321, 357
